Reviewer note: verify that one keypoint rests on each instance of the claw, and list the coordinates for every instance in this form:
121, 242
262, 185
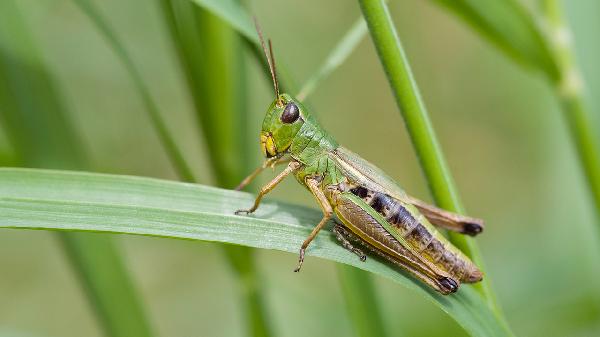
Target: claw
242, 212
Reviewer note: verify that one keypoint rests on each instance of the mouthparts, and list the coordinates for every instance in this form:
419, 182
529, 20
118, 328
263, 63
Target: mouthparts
267, 145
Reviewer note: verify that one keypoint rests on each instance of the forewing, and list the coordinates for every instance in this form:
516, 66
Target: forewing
361, 171
355, 213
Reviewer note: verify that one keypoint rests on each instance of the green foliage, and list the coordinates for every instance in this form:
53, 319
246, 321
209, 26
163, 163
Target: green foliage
509, 26
338, 55
541, 42
172, 150
39, 129
361, 301
207, 37
42, 136
210, 54
55, 200
231, 12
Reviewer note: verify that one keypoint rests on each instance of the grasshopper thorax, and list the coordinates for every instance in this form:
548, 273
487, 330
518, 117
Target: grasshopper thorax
283, 120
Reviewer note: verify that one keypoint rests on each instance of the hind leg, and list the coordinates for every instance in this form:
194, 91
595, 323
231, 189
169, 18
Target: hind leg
343, 236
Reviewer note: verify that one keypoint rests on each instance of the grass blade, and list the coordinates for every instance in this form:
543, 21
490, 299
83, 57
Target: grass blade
223, 116
361, 302
231, 12
585, 138
62, 200
338, 55
100, 267
224, 122
405, 90
42, 136
509, 26
175, 155
569, 89
38, 129
182, 29
209, 53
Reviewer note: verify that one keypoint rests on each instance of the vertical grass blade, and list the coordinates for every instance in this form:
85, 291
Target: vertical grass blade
585, 138
222, 80
224, 122
242, 261
211, 72
37, 125
236, 17
32, 113
113, 294
173, 152
405, 90
233, 13
210, 54
569, 89
361, 302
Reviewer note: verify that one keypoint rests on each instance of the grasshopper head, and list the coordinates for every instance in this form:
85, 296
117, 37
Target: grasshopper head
285, 115
281, 124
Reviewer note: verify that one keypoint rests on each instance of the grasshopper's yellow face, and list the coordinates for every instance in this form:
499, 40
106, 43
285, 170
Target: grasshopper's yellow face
281, 124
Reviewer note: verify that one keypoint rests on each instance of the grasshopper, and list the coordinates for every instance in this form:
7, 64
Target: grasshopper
374, 212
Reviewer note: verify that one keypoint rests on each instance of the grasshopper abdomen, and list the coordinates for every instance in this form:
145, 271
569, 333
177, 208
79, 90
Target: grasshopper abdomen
416, 232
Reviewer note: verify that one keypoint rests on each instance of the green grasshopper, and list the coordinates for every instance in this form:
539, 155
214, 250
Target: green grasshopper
375, 213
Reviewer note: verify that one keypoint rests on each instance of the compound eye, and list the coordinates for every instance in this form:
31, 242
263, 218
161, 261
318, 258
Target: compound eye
290, 113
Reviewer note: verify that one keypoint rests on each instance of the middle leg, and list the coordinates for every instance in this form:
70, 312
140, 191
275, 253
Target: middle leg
313, 185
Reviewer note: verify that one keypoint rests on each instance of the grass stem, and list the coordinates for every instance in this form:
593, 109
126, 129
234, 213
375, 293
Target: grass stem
418, 123
569, 89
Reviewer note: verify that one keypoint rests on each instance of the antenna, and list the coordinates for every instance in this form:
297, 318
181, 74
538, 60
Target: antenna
270, 59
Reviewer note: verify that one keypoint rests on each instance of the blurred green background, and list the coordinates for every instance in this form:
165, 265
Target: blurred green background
499, 125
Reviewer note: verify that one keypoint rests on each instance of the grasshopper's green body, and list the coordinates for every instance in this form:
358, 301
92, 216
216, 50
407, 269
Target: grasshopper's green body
375, 212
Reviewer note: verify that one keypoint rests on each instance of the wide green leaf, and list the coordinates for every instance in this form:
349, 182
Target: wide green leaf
60, 200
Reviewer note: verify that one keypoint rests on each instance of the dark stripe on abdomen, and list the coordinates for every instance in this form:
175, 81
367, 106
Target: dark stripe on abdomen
415, 233
392, 210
